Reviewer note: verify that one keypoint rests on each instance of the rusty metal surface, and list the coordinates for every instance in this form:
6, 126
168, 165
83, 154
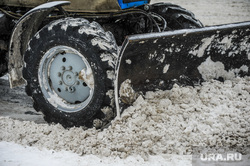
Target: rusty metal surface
76, 5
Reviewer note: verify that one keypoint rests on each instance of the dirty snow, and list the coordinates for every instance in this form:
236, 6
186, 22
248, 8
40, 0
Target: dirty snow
108, 58
210, 69
87, 76
158, 129
164, 122
127, 93
101, 43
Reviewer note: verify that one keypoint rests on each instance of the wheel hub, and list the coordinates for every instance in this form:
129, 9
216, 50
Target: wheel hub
69, 78
60, 68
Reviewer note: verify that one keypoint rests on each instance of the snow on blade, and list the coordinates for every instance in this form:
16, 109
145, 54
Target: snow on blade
199, 50
210, 70
165, 69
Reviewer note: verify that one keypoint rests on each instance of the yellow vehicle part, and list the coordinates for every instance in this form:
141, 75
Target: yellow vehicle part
75, 6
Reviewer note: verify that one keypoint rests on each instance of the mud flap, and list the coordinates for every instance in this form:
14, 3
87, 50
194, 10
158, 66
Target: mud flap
187, 57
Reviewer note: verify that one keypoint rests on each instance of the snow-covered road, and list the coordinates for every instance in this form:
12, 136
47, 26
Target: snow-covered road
12, 154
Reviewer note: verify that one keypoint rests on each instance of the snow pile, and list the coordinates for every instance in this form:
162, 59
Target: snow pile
163, 122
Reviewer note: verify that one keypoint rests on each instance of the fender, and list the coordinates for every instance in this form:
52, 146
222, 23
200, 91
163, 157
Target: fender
23, 31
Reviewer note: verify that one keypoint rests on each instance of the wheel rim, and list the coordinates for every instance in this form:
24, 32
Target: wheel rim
66, 79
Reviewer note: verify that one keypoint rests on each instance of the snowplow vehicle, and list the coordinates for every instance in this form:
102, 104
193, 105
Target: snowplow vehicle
83, 62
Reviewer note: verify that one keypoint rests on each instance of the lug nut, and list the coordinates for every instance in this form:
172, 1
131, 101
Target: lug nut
63, 67
71, 89
77, 83
70, 67
60, 82
66, 89
59, 74
76, 74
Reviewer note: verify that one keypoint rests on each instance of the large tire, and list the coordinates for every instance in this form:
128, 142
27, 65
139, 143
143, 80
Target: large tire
176, 16
69, 67
3, 63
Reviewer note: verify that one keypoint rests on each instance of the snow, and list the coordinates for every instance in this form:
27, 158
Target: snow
128, 61
200, 50
165, 69
161, 123
158, 129
127, 93
210, 69
12, 154
87, 76
5, 77
109, 58
101, 43
88, 31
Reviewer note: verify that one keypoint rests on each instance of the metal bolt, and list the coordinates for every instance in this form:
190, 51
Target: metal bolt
63, 67
59, 74
71, 89
70, 67
146, 7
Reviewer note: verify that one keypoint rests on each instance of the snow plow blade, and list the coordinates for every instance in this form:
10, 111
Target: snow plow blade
149, 62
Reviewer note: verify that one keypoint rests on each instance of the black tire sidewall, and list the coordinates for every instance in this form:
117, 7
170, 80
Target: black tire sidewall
3, 63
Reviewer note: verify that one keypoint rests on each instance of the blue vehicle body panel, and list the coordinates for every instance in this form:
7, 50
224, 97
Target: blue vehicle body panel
131, 4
